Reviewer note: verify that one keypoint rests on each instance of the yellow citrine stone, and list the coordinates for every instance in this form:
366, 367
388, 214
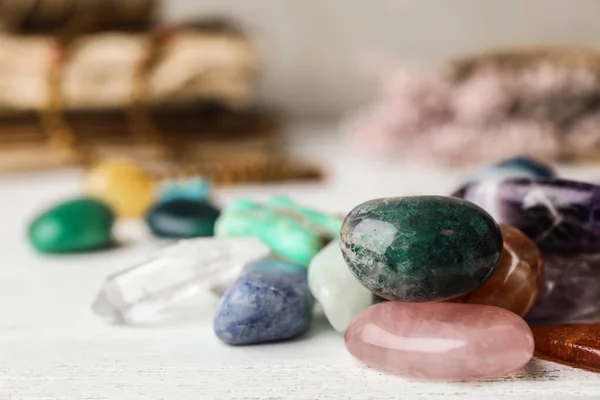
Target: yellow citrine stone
123, 185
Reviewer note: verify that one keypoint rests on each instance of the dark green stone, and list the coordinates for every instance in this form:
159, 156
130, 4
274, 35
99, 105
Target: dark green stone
74, 226
182, 218
424, 248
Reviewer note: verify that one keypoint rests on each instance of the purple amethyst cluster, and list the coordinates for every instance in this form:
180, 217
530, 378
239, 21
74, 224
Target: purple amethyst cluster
563, 218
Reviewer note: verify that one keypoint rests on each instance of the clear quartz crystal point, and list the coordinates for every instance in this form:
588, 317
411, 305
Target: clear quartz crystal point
137, 294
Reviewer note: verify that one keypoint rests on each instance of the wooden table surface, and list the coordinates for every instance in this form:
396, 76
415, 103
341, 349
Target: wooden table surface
53, 347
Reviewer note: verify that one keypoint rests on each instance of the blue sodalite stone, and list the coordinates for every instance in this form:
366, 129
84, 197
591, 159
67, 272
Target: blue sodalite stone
195, 189
516, 167
270, 301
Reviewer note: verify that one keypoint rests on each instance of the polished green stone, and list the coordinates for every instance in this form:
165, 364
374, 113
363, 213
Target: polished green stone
293, 232
182, 219
423, 248
74, 226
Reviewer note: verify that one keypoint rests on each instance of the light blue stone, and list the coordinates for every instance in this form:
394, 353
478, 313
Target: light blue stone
515, 167
269, 301
188, 189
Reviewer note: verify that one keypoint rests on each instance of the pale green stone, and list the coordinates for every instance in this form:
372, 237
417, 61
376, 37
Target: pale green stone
293, 232
340, 293
328, 223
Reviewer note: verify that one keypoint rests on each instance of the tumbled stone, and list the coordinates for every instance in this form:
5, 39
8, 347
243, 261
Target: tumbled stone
270, 301
329, 224
561, 216
293, 232
516, 282
442, 341
138, 294
570, 292
123, 185
182, 219
516, 167
574, 345
74, 226
423, 248
187, 189
338, 291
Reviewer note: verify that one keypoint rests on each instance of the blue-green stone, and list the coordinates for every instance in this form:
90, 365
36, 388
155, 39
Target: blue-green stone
74, 226
194, 189
423, 248
182, 219
293, 232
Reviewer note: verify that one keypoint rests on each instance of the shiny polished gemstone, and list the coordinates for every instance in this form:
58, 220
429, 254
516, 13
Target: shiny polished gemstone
560, 216
536, 169
269, 301
293, 232
516, 167
570, 292
138, 294
338, 291
516, 282
574, 345
423, 248
442, 341
74, 226
182, 219
188, 189
123, 185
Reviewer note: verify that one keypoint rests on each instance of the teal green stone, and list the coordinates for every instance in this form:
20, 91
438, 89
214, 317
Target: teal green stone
324, 221
195, 189
424, 248
182, 219
78, 225
291, 231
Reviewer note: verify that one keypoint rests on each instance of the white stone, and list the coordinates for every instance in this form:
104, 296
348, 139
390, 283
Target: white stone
137, 294
341, 295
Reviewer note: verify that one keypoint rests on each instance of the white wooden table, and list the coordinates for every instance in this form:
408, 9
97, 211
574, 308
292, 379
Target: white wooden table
53, 347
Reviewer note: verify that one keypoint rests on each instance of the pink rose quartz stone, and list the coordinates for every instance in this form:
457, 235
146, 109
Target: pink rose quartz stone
441, 341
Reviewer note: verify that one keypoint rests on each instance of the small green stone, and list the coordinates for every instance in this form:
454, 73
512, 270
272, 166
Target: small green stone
182, 219
424, 248
74, 226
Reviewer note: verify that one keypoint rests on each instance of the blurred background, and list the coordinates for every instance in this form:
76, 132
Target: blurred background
218, 89
313, 51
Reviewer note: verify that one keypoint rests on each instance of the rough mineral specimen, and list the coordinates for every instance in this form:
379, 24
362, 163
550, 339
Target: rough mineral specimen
138, 294
423, 248
442, 341
574, 345
570, 293
270, 301
517, 281
561, 216
338, 291
74, 226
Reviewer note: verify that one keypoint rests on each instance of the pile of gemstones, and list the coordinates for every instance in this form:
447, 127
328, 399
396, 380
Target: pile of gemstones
459, 287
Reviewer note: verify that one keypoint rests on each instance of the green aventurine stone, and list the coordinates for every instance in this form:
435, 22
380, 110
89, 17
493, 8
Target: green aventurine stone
291, 231
74, 226
424, 248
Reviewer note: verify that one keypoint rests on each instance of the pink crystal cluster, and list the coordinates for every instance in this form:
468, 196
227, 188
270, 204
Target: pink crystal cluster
542, 103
